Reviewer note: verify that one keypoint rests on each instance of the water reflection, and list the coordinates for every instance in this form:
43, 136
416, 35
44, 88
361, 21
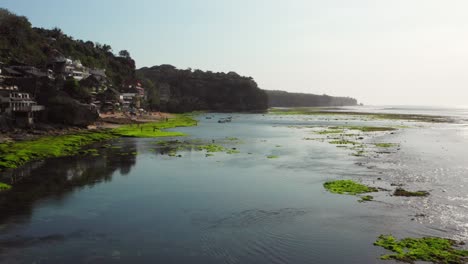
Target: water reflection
56, 178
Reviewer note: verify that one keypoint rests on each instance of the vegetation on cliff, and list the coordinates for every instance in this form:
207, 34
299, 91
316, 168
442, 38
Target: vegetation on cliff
285, 99
191, 90
22, 43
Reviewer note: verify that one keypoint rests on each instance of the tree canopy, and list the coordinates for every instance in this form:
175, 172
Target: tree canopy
21, 43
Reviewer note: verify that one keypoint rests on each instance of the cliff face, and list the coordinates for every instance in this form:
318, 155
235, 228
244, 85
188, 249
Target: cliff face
187, 90
285, 99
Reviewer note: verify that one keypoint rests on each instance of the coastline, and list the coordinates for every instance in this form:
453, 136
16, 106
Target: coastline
29, 147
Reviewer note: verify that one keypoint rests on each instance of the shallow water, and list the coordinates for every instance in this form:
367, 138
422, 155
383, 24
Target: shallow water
136, 204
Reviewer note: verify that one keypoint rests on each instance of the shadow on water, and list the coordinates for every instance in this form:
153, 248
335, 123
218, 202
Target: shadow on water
57, 178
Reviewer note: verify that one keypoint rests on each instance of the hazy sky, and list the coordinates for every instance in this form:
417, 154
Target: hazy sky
378, 51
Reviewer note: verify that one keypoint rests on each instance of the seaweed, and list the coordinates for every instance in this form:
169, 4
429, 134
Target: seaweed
366, 198
148, 130
348, 187
387, 116
4, 186
13, 155
431, 249
386, 145
343, 142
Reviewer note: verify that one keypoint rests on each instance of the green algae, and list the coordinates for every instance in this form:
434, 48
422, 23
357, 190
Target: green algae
366, 198
343, 142
150, 130
232, 151
347, 187
211, 148
403, 192
316, 111
386, 145
330, 131
314, 139
13, 155
175, 146
272, 157
430, 249
370, 128
359, 153
4, 186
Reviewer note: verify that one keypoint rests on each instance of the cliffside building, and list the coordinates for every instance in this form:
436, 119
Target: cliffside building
18, 106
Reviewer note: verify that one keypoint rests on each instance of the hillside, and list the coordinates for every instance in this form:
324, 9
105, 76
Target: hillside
20, 43
187, 90
165, 87
285, 99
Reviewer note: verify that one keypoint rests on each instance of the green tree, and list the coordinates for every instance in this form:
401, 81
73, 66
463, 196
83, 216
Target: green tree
125, 54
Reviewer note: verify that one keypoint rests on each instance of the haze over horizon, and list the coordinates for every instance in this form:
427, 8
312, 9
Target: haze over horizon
380, 52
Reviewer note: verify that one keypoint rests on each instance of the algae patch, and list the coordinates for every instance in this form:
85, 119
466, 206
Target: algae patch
366, 198
4, 186
371, 128
348, 187
431, 249
403, 192
385, 145
330, 131
316, 111
149, 130
343, 142
272, 157
13, 155
173, 147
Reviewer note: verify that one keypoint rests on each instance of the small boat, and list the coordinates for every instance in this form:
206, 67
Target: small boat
225, 120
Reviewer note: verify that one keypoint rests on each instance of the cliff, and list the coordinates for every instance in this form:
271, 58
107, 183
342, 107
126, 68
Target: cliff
188, 90
285, 99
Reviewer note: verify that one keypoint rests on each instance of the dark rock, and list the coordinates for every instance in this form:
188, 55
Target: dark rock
402, 192
65, 110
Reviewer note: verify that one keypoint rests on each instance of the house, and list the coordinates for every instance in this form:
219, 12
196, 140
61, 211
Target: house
69, 68
27, 78
10, 72
18, 106
109, 100
100, 74
26, 71
94, 83
132, 93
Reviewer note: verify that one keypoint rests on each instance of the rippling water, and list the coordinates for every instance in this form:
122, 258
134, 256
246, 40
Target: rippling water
135, 204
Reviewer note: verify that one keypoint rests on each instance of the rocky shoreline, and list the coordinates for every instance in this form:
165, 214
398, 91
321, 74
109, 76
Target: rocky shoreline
105, 121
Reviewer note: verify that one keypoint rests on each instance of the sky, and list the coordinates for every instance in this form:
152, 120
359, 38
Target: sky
381, 52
